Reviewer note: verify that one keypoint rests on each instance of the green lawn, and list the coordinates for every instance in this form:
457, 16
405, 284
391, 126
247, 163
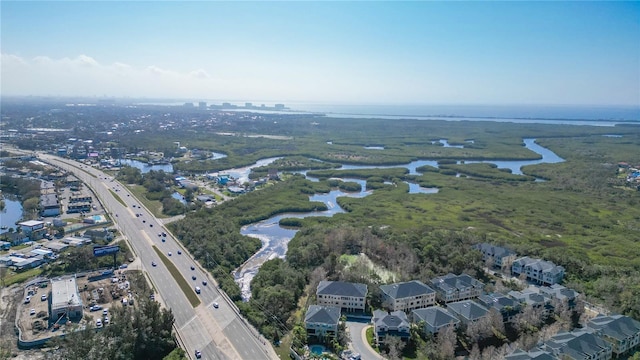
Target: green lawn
14, 278
182, 282
117, 197
153, 205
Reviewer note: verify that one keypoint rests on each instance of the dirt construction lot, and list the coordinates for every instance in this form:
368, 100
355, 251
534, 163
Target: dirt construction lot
30, 305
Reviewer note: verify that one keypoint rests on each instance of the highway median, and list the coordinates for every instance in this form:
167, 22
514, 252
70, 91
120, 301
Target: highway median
182, 282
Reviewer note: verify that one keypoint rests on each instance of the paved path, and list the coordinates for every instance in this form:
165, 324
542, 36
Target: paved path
358, 334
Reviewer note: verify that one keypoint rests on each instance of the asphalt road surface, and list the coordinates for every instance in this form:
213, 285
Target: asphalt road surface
219, 333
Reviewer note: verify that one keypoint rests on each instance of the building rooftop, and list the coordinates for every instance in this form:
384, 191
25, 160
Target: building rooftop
406, 289
392, 320
493, 250
452, 282
342, 288
64, 292
322, 315
435, 316
31, 223
468, 309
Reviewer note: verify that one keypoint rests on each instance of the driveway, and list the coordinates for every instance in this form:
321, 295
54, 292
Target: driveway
357, 332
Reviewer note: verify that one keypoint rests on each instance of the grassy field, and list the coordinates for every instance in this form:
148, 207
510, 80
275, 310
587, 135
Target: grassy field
186, 288
14, 278
152, 205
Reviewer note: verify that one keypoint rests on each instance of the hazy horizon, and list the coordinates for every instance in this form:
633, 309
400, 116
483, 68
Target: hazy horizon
395, 53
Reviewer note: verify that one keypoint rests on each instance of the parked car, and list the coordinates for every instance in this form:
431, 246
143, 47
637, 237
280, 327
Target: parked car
32, 312
98, 323
27, 299
105, 312
95, 308
43, 297
215, 305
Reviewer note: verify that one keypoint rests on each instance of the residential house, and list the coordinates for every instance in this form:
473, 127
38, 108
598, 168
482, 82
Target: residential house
496, 256
435, 318
537, 270
507, 306
531, 296
346, 295
322, 321
622, 332
386, 324
452, 287
530, 355
578, 345
406, 296
561, 293
467, 311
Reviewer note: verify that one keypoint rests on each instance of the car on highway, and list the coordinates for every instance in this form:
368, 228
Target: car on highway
179, 252
163, 240
197, 289
204, 282
144, 221
198, 354
150, 225
153, 263
164, 233
215, 305
169, 253
159, 234
193, 277
192, 267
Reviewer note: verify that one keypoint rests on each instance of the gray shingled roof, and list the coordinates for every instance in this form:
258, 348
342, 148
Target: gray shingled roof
531, 355
493, 250
451, 281
468, 309
406, 289
342, 288
616, 326
435, 316
392, 320
322, 315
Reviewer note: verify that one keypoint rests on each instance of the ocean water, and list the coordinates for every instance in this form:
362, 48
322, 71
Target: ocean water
551, 112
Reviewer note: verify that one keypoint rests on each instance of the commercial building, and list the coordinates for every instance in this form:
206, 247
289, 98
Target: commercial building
65, 299
49, 205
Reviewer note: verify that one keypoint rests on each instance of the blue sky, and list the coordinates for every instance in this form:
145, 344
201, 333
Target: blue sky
342, 52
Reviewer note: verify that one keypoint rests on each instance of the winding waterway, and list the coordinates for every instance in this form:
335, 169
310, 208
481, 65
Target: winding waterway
276, 238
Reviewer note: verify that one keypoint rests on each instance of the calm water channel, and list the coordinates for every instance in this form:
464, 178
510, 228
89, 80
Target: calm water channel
276, 238
11, 213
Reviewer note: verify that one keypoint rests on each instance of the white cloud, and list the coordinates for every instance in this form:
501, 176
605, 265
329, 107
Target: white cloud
84, 75
199, 74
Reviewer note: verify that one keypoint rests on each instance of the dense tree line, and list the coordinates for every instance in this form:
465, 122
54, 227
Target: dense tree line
158, 187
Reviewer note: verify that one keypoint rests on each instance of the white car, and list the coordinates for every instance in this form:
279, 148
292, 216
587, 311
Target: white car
106, 319
98, 323
105, 312
32, 312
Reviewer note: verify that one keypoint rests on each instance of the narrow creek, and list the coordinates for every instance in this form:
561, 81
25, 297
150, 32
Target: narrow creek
276, 238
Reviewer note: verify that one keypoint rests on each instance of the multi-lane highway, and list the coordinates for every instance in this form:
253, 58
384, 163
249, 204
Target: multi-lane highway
218, 333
